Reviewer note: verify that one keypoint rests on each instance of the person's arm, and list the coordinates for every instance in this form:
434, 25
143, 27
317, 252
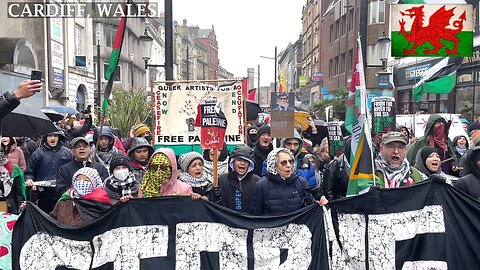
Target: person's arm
84, 129
11, 99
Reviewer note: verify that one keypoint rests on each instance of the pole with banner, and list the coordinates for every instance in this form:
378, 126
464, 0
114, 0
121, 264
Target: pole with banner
212, 130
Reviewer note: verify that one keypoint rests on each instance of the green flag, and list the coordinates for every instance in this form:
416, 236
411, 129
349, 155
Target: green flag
439, 79
112, 64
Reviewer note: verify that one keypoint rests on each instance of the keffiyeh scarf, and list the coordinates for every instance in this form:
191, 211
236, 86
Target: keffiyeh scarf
82, 188
272, 159
195, 182
393, 176
158, 171
126, 185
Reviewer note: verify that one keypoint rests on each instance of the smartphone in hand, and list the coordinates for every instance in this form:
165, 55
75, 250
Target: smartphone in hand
36, 75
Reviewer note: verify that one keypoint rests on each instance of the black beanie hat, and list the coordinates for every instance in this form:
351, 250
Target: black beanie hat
120, 159
263, 129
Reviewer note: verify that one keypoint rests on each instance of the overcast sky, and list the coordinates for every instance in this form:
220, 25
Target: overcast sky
245, 29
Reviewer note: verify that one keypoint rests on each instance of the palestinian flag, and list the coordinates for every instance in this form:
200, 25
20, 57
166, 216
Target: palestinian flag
431, 30
113, 62
361, 172
252, 95
439, 79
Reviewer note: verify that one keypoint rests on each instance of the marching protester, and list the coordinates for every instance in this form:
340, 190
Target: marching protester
222, 164
282, 191
322, 155
12, 184
262, 148
436, 135
11, 99
28, 146
121, 185
391, 167
252, 132
428, 162
237, 186
460, 143
106, 148
44, 165
15, 154
336, 175
194, 173
84, 202
137, 131
139, 153
160, 178
80, 149
470, 183
79, 130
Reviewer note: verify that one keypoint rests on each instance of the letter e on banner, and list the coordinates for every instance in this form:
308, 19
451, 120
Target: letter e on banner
193, 238
43, 251
294, 237
125, 246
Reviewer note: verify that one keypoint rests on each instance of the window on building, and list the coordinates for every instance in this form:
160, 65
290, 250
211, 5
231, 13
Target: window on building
350, 60
117, 74
350, 19
109, 32
342, 64
79, 39
464, 102
343, 21
373, 55
332, 36
330, 67
335, 65
376, 12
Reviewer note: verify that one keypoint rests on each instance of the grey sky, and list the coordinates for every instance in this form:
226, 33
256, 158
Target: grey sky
245, 29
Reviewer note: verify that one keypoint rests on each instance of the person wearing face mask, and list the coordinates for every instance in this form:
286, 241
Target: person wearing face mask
160, 178
282, 191
122, 185
194, 174
84, 202
44, 165
252, 132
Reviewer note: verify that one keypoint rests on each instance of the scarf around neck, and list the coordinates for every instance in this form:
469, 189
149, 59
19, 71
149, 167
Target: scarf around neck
461, 150
126, 186
393, 176
195, 182
438, 137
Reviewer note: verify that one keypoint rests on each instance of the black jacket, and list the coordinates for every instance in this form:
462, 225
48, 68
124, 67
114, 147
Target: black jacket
74, 133
8, 103
66, 172
335, 179
231, 189
259, 155
275, 196
470, 183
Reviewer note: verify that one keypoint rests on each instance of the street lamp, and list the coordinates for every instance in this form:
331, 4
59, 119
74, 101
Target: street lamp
275, 74
99, 79
383, 43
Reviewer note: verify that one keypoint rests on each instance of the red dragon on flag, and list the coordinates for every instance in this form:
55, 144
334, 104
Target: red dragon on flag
439, 32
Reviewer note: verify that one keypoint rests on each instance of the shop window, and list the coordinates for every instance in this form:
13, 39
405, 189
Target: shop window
464, 102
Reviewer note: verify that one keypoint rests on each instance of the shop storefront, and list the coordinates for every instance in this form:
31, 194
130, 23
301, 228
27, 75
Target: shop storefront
467, 92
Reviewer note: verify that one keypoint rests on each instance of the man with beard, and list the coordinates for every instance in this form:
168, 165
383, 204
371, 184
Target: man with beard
80, 149
391, 168
140, 152
44, 165
105, 147
436, 135
263, 146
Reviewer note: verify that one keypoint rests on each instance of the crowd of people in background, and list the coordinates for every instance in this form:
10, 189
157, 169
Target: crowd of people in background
93, 168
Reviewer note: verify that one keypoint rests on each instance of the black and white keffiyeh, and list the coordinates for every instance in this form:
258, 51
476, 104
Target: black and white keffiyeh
126, 186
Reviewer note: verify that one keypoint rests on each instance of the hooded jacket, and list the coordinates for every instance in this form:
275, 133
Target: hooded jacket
173, 186
424, 141
252, 138
237, 194
470, 183
137, 168
104, 157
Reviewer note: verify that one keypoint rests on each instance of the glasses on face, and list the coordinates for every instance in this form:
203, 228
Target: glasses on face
396, 146
285, 161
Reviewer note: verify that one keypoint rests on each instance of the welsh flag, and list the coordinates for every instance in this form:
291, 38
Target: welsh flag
439, 79
113, 62
422, 29
361, 161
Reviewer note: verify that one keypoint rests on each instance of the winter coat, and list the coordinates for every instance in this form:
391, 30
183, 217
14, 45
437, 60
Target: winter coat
8, 103
335, 178
66, 172
44, 165
104, 157
116, 193
423, 141
138, 169
173, 186
16, 156
17, 194
470, 183
275, 196
259, 156
80, 132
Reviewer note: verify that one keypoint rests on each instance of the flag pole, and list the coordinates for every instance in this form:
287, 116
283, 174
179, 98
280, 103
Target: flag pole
245, 119
215, 167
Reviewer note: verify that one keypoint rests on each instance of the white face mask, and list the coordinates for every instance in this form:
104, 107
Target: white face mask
121, 174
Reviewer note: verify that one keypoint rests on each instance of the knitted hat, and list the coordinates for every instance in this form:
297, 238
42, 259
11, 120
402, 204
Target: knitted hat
186, 159
263, 129
119, 159
141, 129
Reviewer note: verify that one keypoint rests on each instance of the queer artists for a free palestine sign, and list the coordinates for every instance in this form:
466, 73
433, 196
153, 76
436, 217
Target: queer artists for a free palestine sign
176, 109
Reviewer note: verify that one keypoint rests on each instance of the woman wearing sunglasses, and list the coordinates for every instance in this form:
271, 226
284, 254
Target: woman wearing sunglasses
282, 190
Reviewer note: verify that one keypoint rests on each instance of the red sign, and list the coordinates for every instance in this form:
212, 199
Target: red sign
213, 124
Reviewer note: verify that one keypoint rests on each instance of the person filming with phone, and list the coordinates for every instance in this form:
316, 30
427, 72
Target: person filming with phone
11, 99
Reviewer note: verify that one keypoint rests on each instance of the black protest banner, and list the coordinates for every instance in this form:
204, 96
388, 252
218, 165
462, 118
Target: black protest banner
383, 115
429, 225
336, 144
172, 233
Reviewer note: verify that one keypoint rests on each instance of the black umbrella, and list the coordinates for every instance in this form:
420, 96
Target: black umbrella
253, 109
52, 115
26, 121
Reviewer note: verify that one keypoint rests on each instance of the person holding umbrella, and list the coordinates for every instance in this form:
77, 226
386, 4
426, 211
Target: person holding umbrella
11, 99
